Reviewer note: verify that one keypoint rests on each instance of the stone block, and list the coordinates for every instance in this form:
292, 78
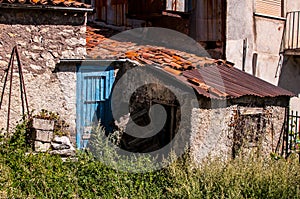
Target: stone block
64, 152
41, 124
3, 63
43, 130
41, 146
44, 136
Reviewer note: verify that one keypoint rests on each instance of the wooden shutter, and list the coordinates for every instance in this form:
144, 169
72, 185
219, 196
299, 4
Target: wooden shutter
269, 7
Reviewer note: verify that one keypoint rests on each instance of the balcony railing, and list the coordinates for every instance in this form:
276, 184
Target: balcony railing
291, 37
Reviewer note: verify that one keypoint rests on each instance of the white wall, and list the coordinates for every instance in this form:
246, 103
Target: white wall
263, 37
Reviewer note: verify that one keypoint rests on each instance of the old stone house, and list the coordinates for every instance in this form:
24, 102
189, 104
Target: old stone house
224, 117
53, 45
260, 36
228, 102
44, 33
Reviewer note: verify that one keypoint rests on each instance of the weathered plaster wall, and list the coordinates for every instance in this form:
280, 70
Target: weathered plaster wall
239, 27
43, 38
213, 132
267, 45
66, 78
209, 133
263, 37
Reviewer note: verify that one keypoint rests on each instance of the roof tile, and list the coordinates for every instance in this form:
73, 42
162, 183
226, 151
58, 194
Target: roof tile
209, 77
60, 3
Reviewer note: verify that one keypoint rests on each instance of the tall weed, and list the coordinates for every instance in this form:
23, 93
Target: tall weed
47, 176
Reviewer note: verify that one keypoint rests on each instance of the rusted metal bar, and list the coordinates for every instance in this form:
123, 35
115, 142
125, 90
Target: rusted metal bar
10, 92
287, 130
281, 139
22, 84
6, 76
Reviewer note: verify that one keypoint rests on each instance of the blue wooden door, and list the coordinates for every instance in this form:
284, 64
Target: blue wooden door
94, 85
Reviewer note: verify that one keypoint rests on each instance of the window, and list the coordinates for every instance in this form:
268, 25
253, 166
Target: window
180, 5
269, 7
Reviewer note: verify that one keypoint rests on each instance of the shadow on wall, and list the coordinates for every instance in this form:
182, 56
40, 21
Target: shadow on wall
290, 74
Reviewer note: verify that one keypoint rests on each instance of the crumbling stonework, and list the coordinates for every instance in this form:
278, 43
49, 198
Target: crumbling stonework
218, 128
214, 132
43, 37
158, 88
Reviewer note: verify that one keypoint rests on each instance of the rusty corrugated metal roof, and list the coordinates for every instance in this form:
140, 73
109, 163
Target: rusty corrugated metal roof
232, 82
59, 3
209, 77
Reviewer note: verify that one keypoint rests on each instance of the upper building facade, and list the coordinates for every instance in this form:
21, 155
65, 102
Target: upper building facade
262, 37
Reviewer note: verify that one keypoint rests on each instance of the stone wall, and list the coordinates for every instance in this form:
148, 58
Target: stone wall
214, 132
43, 38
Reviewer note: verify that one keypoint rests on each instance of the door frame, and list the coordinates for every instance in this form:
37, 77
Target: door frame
88, 66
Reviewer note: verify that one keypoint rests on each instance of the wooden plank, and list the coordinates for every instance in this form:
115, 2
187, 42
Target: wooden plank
250, 110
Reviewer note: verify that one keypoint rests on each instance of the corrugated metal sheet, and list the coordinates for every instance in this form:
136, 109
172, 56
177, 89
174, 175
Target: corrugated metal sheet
269, 7
234, 82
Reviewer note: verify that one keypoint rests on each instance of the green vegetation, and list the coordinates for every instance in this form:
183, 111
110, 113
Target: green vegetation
46, 176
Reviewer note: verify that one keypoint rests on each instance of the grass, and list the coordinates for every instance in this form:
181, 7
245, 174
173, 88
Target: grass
46, 176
